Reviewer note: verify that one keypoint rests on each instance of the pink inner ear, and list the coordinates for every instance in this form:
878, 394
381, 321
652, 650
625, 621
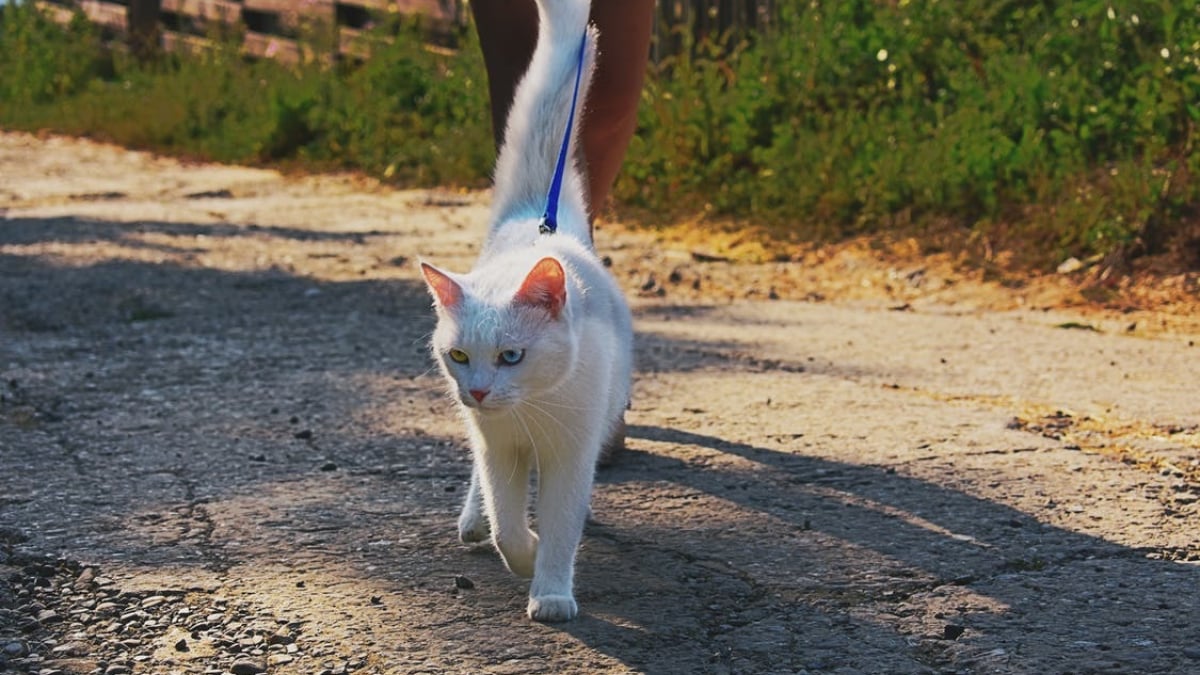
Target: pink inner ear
545, 287
446, 291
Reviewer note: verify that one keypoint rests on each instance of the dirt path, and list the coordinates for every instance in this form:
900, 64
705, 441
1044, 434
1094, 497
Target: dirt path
222, 450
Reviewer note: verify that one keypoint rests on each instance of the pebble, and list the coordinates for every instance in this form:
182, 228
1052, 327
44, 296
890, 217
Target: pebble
70, 649
16, 649
153, 601
952, 631
86, 577
117, 669
248, 667
1192, 652
47, 616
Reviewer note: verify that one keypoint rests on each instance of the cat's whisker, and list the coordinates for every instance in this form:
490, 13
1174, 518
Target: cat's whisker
534, 418
513, 474
556, 404
533, 448
533, 403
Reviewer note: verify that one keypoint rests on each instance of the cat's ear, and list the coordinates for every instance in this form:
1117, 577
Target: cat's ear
446, 291
544, 287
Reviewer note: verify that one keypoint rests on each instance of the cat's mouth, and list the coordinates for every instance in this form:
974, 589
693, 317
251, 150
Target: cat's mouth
487, 405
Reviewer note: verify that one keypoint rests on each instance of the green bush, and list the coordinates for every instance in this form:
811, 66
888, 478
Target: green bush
41, 61
1053, 128
409, 113
1073, 123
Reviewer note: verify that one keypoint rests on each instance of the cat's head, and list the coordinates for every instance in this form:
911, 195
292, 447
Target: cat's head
502, 339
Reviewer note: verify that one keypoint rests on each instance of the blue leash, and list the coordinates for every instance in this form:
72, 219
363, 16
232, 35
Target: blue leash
549, 224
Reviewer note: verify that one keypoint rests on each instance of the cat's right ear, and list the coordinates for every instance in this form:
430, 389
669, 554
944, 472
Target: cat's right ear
445, 291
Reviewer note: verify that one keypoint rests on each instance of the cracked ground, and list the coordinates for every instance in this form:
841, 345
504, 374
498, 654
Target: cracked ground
223, 449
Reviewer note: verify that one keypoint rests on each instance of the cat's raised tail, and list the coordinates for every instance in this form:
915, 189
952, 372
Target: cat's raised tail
538, 121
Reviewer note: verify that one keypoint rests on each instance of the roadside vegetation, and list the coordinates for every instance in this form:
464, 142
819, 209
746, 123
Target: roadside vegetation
1044, 130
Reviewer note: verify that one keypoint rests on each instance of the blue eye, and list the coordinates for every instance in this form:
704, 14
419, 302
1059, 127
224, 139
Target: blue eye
511, 357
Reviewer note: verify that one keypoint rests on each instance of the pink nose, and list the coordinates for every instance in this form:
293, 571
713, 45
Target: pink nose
479, 394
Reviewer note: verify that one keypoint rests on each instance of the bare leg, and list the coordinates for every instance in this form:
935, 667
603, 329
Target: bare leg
611, 115
507, 35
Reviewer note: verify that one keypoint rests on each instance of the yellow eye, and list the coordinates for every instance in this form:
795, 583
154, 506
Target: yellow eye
459, 356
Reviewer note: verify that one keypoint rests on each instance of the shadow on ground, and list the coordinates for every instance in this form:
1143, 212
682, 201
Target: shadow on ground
250, 431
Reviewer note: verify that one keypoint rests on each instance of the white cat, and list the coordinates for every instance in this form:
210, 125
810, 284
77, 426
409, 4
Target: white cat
536, 340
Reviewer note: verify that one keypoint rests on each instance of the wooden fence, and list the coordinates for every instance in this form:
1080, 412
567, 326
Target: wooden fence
271, 28
268, 28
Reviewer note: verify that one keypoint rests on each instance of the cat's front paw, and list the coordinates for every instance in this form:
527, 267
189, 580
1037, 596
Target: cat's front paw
551, 608
473, 527
519, 554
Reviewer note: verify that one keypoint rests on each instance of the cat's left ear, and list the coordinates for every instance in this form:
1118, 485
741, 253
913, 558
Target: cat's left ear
446, 291
545, 287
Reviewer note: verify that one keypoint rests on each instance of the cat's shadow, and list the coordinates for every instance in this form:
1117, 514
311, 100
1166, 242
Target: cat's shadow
779, 563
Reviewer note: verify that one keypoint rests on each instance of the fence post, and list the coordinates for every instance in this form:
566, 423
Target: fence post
142, 27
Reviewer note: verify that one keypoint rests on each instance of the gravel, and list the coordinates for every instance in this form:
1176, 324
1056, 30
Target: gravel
62, 616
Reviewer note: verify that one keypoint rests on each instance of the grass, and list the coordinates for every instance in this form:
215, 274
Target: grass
1047, 130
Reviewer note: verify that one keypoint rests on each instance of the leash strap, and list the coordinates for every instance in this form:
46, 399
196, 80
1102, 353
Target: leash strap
549, 224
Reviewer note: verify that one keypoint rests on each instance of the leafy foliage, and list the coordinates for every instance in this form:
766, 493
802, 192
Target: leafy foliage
1071, 125
407, 113
1061, 128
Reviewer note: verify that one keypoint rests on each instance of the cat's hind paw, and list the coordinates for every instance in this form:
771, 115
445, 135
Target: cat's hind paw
551, 608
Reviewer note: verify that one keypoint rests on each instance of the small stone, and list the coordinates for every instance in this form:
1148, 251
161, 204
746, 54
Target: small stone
283, 636
463, 582
1192, 652
182, 645
47, 616
248, 667
70, 649
16, 649
86, 577
329, 466
117, 669
304, 434
279, 659
251, 641
952, 631
153, 601
135, 615
1070, 265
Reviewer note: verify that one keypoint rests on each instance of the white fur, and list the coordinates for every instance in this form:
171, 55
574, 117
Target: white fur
554, 410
